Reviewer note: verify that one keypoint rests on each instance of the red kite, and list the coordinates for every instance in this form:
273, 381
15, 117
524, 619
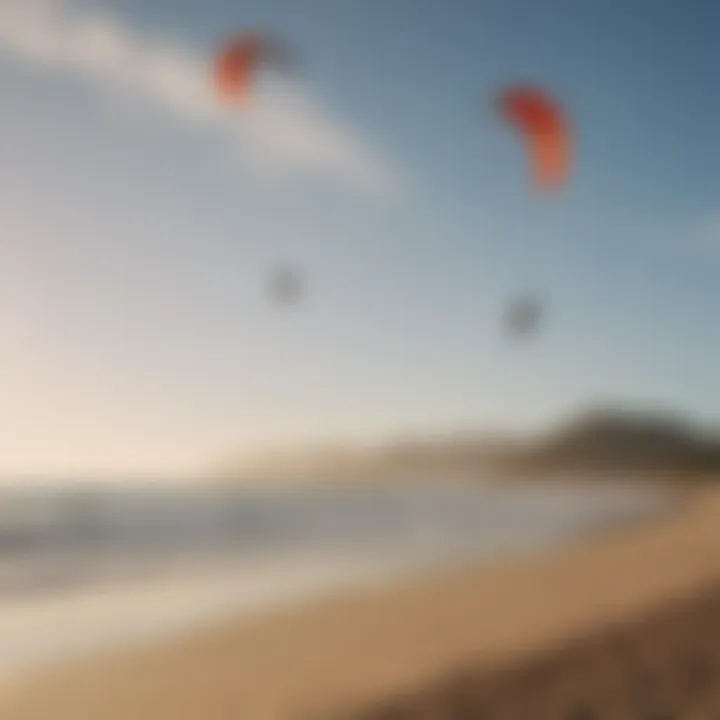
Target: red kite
239, 59
546, 131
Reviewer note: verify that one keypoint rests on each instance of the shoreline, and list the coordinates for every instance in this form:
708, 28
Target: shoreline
360, 647
81, 613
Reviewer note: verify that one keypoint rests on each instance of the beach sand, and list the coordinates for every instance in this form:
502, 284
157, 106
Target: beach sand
367, 647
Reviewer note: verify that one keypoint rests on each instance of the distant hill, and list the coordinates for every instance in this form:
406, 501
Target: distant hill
616, 440
599, 440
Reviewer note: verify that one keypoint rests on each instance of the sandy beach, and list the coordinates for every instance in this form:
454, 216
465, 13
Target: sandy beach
365, 647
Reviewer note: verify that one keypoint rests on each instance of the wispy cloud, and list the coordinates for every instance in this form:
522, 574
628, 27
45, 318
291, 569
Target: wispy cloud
288, 130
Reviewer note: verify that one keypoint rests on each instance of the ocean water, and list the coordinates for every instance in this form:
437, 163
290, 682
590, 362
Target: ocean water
83, 567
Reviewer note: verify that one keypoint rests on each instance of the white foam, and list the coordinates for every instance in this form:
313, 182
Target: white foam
48, 629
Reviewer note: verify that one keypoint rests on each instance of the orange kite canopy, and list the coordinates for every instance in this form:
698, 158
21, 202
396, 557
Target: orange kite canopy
546, 130
237, 61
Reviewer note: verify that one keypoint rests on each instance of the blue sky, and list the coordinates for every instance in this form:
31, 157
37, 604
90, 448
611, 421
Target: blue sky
140, 221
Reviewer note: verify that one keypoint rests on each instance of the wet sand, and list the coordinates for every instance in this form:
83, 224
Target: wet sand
377, 645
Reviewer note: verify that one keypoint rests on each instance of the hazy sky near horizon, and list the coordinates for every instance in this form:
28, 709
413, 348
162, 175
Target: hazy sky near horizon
140, 221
